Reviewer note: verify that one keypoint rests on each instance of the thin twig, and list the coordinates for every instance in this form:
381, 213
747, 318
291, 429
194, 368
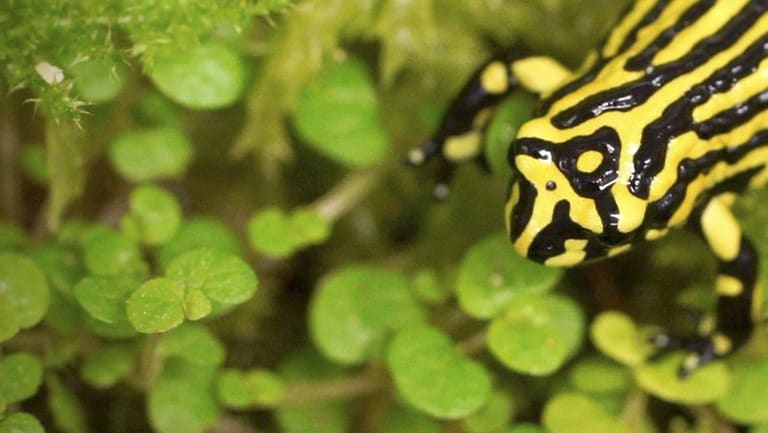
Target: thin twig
347, 194
10, 205
346, 388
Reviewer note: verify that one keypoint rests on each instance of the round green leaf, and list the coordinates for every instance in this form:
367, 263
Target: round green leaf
309, 226
271, 233
428, 288
704, 385
181, 401
202, 77
433, 377
10, 324
599, 376
576, 413
104, 297
491, 275
156, 214
536, 334
150, 154
356, 308
61, 264
109, 253
337, 114
193, 343
502, 130
25, 287
20, 376
64, 315
223, 277
199, 232
615, 334
98, 80
495, 414
255, 388
156, 306
197, 305
21, 422
108, 365
746, 400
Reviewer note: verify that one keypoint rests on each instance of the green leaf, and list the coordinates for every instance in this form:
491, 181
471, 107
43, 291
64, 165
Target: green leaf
337, 114
21, 422
64, 314
202, 77
199, 232
597, 375
311, 417
197, 305
428, 288
616, 335
20, 376
271, 233
433, 377
576, 413
409, 421
156, 306
746, 400
98, 80
195, 344
10, 324
155, 213
492, 275
108, 365
703, 386
24, 286
537, 334
181, 401
494, 415
104, 297
309, 226
60, 263
254, 388
502, 130
67, 411
110, 253
356, 308
223, 277
150, 154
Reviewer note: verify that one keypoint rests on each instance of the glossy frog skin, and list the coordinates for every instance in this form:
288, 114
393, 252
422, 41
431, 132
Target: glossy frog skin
665, 123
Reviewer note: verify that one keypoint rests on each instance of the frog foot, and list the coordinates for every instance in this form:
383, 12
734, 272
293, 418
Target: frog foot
701, 350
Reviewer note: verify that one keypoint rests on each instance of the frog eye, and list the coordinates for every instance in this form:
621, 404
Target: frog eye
589, 161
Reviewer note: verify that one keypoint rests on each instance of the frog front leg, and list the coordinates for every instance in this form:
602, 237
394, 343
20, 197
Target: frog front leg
460, 135
737, 289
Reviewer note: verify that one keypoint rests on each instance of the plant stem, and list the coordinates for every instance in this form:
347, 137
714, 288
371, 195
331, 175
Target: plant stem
474, 344
346, 195
10, 205
345, 388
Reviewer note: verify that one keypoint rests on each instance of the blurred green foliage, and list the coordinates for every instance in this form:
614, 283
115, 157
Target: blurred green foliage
206, 226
